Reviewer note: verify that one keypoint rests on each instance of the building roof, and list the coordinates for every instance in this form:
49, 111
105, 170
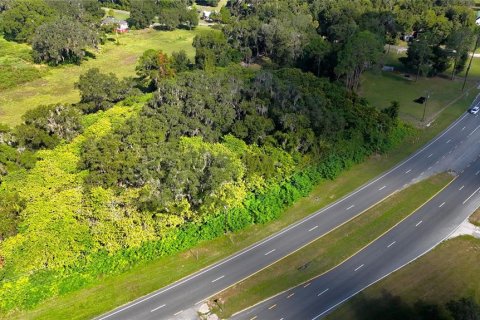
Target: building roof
112, 20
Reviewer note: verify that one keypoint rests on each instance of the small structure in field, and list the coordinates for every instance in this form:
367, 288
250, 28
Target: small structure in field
120, 26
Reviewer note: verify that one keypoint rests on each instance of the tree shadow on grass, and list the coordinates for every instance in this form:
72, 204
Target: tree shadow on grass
390, 307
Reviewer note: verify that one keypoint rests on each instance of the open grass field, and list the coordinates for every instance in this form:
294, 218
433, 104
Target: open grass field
448, 272
16, 65
330, 250
56, 83
381, 88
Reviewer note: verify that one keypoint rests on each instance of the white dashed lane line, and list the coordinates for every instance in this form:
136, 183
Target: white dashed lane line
218, 279
391, 244
382, 188
273, 250
359, 267
443, 203
352, 206
418, 223
157, 308
318, 295
311, 229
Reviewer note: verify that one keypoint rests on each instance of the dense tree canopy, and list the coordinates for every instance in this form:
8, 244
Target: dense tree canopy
62, 40
24, 16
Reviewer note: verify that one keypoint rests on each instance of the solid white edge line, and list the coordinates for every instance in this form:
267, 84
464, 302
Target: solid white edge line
314, 215
381, 278
471, 195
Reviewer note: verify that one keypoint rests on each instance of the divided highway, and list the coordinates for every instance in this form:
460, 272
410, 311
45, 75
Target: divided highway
454, 149
413, 237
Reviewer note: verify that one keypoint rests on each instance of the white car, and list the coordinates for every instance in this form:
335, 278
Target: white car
474, 110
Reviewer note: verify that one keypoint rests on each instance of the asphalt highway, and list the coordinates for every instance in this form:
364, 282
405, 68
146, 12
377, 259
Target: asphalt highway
410, 239
453, 149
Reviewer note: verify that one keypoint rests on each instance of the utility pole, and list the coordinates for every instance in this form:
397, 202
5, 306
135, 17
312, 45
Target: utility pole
471, 59
425, 105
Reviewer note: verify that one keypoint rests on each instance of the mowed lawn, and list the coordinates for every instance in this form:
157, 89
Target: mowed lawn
450, 271
57, 85
380, 88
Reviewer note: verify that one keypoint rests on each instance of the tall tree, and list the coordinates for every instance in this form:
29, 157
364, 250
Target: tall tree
459, 42
360, 52
24, 16
153, 66
62, 40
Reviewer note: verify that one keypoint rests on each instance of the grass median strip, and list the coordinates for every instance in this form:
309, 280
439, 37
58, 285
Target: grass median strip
448, 272
330, 250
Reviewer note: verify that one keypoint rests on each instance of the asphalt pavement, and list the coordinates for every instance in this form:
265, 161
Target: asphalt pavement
454, 149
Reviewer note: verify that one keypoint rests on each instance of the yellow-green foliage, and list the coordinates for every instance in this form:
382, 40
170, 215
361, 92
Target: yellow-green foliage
54, 232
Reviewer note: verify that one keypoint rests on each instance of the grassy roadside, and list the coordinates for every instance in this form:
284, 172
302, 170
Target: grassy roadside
475, 218
116, 290
455, 262
330, 250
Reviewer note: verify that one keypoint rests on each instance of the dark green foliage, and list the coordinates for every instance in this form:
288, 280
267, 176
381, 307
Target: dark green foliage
392, 307
286, 110
87, 12
464, 309
170, 14
142, 13
10, 207
99, 91
24, 16
46, 126
211, 3
153, 66
212, 49
62, 40
180, 61
393, 110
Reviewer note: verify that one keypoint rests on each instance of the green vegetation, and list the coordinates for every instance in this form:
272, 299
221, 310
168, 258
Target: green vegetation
123, 177
475, 218
57, 84
449, 272
330, 250
16, 65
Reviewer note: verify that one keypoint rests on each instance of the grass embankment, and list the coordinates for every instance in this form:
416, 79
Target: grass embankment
116, 290
55, 84
330, 250
475, 218
448, 272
